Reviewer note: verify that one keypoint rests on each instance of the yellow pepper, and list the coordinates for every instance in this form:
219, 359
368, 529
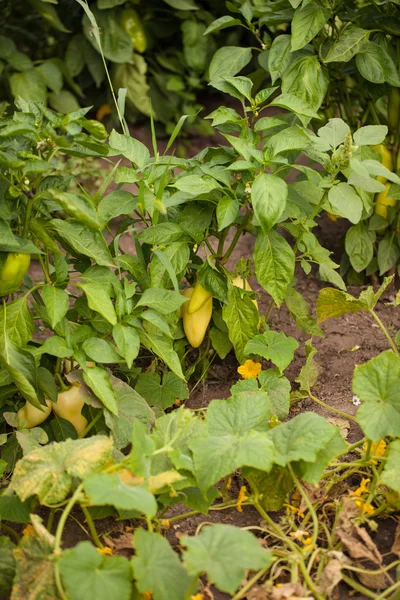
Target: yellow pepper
13, 268
69, 406
29, 416
199, 297
195, 324
382, 201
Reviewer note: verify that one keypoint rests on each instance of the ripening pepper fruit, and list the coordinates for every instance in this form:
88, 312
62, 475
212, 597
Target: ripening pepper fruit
198, 299
387, 160
132, 25
195, 324
69, 406
13, 268
29, 416
382, 201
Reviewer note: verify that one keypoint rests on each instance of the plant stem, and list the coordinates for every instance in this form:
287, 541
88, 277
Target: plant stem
358, 587
247, 587
92, 424
28, 215
50, 520
385, 331
236, 237
389, 590
10, 531
192, 587
335, 410
64, 517
92, 528
309, 506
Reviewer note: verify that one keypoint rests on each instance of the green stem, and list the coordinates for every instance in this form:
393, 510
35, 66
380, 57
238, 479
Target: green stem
335, 410
389, 590
10, 531
92, 528
385, 332
50, 520
92, 424
44, 269
236, 237
28, 215
247, 587
192, 587
358, 587
309, 506
63, 519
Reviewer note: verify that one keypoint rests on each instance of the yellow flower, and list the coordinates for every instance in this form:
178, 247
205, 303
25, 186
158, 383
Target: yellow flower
295, 510
307, 541
28, 530
229, 484
364, 507
377, 449
299, 534
165, 523
241, 498
106, 551
250, 369
197, 597
362, 489
147, 595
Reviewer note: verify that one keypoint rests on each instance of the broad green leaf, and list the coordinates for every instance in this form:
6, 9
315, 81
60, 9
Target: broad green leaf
359, 245
86, 573
132, 408
300, 311
278, 389
334, 132
309, 372
268, 197
329, 274
163, 233
99, 301
274, 346
84, 240
332, 303
19, 321
370, 135
228, 61
307, 23
56, 302
273, 487
391, 473
222, 23
243, 412
334, 446
157, 568
377, 384
115, 42
157, 321
388, 253
99, 382
105, 488
163, 301
12, 509
227, 211
99, 350
162, 347
161, 394
274, 263
48, 472
241, 318
21, 366
57, 346
196, 185
128, 342
351, 41
116, 204
7, 566
78, 206
28, 85
221, 342
223, 552
132, 149
346, 202
279, 56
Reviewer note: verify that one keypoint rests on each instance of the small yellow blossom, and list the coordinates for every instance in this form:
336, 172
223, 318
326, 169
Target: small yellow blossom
241, 498
106, 551
197, 597
147, 595
250, 369
364, 507
28, 530
362, 489
278, 585
295, 510
299, 534
377, 449
229, 484
128, 528
165, 523
178, 402
307, 541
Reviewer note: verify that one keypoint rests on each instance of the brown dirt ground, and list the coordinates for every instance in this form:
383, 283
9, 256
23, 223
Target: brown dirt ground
351, 340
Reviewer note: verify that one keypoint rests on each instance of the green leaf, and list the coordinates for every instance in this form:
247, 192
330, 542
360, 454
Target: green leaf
132, 149
162, 395
359, 245
163, 301
273, 487
12, 509
132, 408
182, 5
51, 75
128, 342
241, 318
105, 488
84, 241
213, 281
86, 573
21, 366
307, 23
351, 41
327, 273
221, 342
99, 301
309, 372
391, 473
196, 185
268, 197
157, 568
279, 57
116, 204
227, 211
115, 42
278, 389
7, 566
299, 309
48, 472
19, 321
222, 23
273, 346
334, 132
163, 233
241, 413
28, 85
56, 302
74, 55
376, 383
99, 350
388, 253
223, 552
57, 346
346, 202
332, 303
162, 347
99, 382
274, 262
157, 321
370, 135
228, 61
